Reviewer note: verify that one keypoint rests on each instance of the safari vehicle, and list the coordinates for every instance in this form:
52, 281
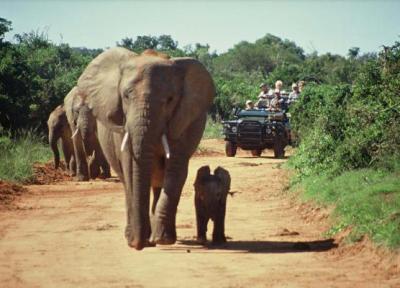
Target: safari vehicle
256, 130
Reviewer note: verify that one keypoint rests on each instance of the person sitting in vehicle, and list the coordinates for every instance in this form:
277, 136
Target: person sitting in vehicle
294, 95
301, 85
264, 91
278, 86
264, 98
249, 105
277, 102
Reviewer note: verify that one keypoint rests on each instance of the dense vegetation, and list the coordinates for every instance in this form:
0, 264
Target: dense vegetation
350, 154
36, 74
18, 152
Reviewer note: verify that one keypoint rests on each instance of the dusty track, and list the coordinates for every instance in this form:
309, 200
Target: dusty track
71, 235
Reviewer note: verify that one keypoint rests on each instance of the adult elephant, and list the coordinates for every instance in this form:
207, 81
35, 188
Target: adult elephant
151, 113
88, 153
59, 129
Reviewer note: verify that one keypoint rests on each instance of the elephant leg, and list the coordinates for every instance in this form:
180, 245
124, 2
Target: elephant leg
156, 196
68, 149
164, 228
94, 168
72, 166
202, 221
219, 226
82, 172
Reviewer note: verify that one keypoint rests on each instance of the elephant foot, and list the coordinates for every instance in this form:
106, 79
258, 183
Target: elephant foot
140, 246
80, 177
218, 240
106, 174
202, 240
162, 236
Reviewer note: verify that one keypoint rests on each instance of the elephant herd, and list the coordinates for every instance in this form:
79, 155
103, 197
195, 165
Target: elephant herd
143, 115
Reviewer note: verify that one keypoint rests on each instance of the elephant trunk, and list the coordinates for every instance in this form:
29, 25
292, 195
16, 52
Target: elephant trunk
53, 138
87, 127
137, 173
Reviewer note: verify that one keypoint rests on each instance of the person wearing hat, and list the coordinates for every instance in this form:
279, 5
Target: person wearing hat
264, 91
263, 97
294, 95
249, 105
277, 102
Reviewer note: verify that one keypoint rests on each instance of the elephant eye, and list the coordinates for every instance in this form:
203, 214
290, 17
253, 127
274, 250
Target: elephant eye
128, 92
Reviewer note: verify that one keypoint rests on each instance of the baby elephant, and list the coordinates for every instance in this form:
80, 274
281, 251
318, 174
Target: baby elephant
210, 201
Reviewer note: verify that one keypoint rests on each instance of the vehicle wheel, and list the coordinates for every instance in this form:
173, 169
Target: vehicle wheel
230, 149
256, 152
279, 149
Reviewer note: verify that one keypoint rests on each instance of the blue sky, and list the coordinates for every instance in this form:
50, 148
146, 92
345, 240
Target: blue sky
324, 26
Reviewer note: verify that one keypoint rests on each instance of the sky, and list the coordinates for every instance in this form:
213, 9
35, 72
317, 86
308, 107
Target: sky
322, 26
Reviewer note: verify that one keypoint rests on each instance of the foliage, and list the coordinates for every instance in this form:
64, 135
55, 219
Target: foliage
349, 151
367, 200
35, 77
213, 129
18, 153
353, 126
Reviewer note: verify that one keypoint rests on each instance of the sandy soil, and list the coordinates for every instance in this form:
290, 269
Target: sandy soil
71, 235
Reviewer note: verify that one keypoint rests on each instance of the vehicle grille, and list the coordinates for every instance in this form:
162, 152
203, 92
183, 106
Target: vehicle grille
249, 132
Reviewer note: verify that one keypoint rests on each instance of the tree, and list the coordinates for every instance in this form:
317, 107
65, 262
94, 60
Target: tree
165, 43
5, 26
353, 52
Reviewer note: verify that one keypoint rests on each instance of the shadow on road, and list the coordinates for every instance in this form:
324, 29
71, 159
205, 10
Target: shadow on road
261, 246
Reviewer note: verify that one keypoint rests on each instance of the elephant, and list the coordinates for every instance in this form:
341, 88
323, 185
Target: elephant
151, 112
88, 153
59, 128
211, 192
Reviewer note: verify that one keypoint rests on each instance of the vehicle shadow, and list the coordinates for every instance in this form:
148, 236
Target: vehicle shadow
262, 246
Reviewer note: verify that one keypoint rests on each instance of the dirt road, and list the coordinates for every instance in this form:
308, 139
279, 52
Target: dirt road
71, 235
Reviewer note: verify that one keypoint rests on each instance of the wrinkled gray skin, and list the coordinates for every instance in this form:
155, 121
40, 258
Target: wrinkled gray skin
144, 97
211, 192
88, 153
59, 129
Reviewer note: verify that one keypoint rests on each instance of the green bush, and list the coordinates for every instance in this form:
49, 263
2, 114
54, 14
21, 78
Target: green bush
368, 200
213, 129
18, 154
349, 148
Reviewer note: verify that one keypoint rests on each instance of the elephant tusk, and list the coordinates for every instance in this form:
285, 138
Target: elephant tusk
165, 145
124, 141
75, 133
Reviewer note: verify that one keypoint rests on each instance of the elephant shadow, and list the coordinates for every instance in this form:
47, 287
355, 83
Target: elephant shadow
265, 157
268, 247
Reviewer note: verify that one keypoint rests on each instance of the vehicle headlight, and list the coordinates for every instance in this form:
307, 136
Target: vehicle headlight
268, 130
234, 129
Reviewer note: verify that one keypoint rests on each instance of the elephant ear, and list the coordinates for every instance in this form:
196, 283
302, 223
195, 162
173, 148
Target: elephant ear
99, 86
202, 174
197, 95
225, 178
69, 102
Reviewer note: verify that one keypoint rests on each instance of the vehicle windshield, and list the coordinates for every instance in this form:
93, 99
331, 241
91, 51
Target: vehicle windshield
257, 114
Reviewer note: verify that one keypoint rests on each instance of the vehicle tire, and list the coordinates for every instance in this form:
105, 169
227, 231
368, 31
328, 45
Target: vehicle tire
279, 149
256, 152
230, 149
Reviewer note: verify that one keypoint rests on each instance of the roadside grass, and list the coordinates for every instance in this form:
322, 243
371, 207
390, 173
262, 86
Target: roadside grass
367, 200
213, 130
19, 153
